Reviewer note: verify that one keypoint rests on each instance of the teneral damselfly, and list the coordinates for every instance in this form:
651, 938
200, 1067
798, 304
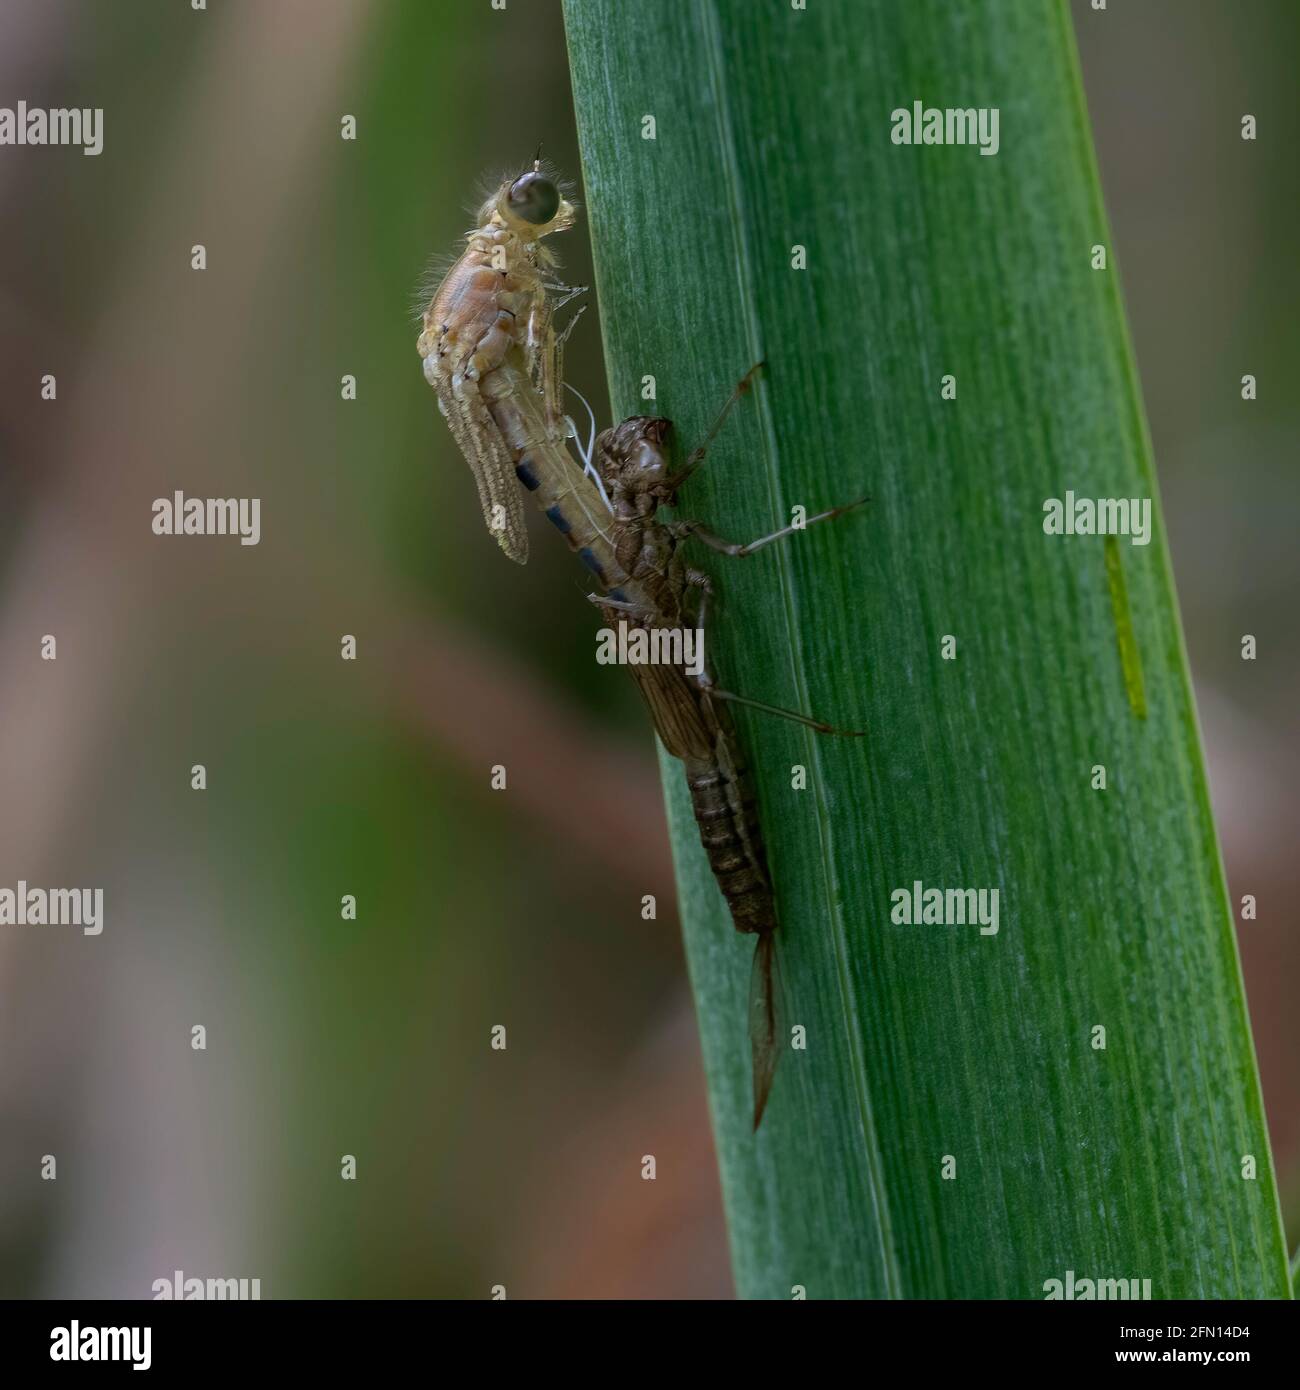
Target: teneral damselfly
487, 334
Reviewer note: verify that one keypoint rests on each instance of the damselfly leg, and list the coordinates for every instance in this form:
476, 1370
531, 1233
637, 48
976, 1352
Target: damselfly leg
701, 584
698, 454
617, 605
682, 529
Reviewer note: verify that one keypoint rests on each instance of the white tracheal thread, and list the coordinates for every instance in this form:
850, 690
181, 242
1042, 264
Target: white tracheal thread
588, 455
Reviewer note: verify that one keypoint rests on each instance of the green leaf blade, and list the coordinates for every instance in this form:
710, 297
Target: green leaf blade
773, 132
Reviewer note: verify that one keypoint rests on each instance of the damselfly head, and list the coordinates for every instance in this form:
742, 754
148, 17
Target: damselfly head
532, 204
534, 198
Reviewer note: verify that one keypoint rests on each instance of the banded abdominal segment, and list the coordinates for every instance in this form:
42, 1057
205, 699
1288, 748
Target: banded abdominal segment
567, 498
725, 812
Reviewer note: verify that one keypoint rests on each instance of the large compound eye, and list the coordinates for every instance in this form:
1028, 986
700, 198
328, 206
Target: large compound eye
534, 198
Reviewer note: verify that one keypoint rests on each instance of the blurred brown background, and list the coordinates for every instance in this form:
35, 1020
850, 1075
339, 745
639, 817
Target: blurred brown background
476, 908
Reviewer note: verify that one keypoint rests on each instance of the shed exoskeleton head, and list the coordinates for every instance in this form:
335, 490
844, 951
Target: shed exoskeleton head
637, 459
